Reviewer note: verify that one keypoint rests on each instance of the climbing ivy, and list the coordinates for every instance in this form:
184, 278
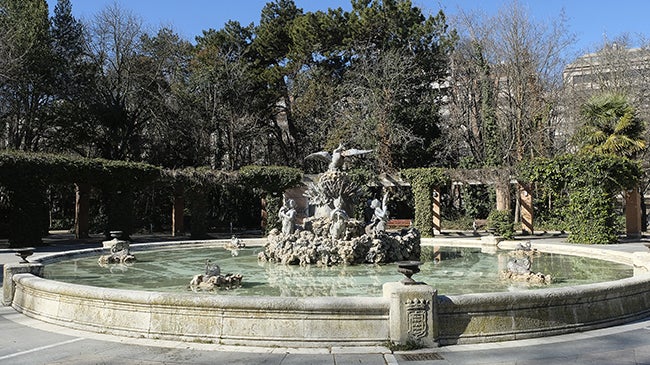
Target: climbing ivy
591, 183
423, 181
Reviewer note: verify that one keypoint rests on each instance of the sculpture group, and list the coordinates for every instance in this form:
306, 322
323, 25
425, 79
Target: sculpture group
331, 236
120, 253
519, 266
212, 279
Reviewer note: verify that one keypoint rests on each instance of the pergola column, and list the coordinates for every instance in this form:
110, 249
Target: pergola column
178, 210
437, 219
82, 208
633, 213
526, 200
503, 196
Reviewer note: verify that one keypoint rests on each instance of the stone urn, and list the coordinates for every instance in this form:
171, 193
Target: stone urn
408, 269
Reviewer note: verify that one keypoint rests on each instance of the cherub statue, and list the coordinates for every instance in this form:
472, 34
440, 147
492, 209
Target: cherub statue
335, 160
288, 216
339, 220
379, 215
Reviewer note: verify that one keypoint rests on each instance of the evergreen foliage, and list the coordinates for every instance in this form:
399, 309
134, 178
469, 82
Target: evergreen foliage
270, 182
423, 181
590, 182
611, 125
501, 221
26, 176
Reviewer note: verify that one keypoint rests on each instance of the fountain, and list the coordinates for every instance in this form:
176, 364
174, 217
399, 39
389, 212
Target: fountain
398, 312
331, 237
460, 270
120, 252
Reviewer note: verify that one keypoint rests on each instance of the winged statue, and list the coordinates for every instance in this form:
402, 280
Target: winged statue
335, 160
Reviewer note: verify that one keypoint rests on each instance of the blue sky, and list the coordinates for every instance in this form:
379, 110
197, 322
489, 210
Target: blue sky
589, 20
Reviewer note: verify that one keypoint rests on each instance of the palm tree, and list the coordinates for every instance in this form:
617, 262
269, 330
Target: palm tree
611, 125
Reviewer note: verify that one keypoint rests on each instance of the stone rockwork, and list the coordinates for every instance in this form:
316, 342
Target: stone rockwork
213, 279
332, 185
316, 247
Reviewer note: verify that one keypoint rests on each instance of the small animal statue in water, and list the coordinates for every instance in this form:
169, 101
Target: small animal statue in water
120, 254
213, 279
211, 269
519, 266
234, 245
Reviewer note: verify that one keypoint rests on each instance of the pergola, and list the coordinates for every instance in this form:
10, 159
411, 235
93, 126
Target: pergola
503, 181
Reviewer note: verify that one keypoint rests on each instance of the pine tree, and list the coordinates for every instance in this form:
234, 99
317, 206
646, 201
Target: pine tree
27, 86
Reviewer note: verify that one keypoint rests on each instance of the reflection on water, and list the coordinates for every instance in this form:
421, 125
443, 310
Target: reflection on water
452, 270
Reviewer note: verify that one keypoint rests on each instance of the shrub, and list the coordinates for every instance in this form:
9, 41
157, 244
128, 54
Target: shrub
586, 185
26, 176
502, 222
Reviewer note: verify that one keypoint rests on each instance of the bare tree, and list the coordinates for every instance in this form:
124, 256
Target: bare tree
506, 77
120, 103
378, 85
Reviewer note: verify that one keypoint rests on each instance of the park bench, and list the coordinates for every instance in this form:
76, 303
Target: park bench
399, 223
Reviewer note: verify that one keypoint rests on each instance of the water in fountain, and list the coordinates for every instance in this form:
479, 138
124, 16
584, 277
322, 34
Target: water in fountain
451, 270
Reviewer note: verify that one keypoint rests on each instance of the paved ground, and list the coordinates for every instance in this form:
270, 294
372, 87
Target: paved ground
27, 341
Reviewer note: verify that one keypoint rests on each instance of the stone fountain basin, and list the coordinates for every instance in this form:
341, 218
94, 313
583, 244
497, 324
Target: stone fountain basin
335, 321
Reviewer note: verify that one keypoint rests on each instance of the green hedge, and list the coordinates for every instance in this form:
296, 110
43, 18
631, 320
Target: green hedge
591, 183
270, 182
26, 176
502, 222
58, 169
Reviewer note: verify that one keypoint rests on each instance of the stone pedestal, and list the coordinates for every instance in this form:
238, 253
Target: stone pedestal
8, 286
412, 314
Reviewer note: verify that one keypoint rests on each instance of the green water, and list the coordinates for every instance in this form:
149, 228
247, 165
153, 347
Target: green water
452, 270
